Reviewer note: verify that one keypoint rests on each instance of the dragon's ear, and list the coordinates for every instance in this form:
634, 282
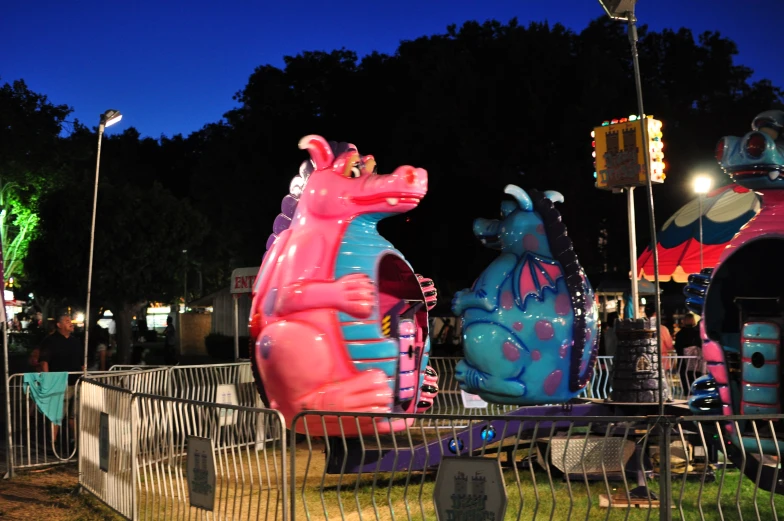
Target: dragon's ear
319, 150
554, 196
521, 196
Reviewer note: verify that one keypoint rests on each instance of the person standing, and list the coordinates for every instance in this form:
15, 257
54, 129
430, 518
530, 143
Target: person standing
169, 343
689, 343
63, 352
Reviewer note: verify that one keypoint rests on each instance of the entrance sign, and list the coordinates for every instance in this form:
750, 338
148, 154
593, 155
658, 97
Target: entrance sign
470, 488
242, 280
201, 473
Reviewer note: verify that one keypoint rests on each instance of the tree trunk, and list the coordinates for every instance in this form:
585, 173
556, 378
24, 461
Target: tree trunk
122, 320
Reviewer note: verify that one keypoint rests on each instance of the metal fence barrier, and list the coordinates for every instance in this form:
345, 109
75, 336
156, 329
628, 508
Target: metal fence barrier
107, 441
566, 468
153, 457
33, 441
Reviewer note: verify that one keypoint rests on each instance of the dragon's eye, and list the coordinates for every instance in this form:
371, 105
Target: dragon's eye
370, 166
352, 167
771, 131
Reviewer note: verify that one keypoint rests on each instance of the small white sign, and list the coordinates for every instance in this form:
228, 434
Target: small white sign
103, 443
242, 280
472, 401
227, 393
470, 488
201, 473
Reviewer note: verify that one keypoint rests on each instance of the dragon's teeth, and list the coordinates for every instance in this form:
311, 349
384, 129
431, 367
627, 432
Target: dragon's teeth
392, 201
774, 174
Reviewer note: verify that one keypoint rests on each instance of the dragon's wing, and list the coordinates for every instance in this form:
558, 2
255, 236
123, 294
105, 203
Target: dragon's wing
533, 275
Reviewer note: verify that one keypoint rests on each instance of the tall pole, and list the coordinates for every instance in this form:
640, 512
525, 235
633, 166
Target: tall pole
665, 489
101, 127
701, 262
185, 281
633, 252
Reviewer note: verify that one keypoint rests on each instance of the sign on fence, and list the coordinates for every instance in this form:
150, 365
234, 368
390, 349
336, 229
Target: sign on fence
472, 401
103, 443
470, 488
201, 473
227, 393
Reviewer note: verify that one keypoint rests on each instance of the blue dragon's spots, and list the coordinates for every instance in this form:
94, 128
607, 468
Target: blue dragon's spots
552, 382
507, 300
511, 352
563, 305
532, 305
544, 330
530, 242
564, 349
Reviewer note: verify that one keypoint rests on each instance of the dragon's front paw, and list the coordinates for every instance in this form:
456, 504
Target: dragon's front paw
459, 301
429, 390
429, 291
359, 295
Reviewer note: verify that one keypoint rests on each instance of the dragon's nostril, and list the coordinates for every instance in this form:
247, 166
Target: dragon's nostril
755, 145
411, 176
720, 147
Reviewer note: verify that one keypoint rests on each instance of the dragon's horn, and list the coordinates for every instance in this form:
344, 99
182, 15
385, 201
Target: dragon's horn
522, 198
554, 196
319, 150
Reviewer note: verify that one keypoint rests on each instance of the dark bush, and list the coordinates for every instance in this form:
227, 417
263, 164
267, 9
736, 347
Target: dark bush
221, 347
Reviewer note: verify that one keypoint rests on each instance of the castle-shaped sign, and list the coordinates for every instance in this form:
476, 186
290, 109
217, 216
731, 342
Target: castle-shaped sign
619, 158
470, 488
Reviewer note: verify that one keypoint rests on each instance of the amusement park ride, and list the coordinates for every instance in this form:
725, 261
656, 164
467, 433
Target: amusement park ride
340, 318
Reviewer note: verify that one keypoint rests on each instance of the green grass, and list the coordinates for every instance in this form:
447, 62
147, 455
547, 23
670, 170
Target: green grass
404, 495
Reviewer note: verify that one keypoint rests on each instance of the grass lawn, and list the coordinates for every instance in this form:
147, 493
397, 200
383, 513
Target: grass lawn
247, 490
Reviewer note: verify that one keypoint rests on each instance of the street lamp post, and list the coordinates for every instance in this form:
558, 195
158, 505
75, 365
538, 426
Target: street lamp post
702, 185
624, 10
108, 118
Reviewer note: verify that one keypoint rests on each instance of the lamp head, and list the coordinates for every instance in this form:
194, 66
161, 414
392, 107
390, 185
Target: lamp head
619, 9
702, 184
110, 117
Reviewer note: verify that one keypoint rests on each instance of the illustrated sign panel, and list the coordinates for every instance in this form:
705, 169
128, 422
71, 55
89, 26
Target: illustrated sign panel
201, 473
470, 488
103, 443
619, 153
472, 401
227, 393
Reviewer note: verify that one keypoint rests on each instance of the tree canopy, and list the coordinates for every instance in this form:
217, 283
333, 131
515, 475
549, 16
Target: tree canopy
479, 106
30, 165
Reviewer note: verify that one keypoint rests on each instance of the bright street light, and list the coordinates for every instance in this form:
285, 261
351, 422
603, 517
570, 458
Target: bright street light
702, 185
110, 117
107, 119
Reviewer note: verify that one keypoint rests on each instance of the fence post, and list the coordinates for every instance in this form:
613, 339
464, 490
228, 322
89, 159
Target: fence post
135, 456
665, 469
7, 383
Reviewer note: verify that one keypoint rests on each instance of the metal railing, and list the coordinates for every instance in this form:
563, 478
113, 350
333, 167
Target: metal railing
153, 457
35, 441
32, 443
567, 467
107, 441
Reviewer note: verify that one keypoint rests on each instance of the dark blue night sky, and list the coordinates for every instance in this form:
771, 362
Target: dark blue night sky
172, 66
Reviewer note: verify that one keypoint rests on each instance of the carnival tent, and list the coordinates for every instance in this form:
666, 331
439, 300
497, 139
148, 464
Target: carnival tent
724, 212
